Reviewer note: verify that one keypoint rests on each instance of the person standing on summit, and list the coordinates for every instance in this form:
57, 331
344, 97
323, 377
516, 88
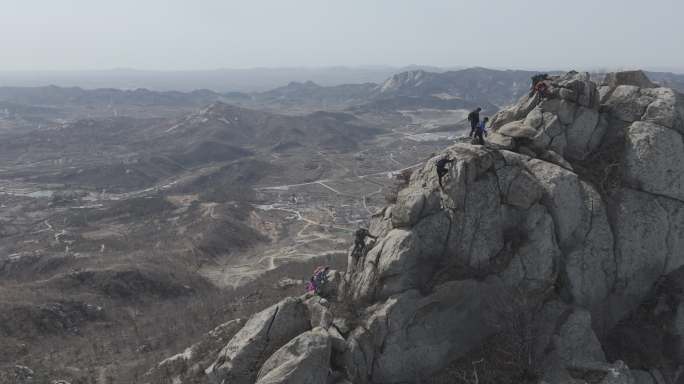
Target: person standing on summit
474, 118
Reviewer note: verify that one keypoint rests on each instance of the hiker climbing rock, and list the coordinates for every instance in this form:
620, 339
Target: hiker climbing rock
536, 80
474, 118
481, 132
441, 168
311, 286
360, 242
317, 280
541, 89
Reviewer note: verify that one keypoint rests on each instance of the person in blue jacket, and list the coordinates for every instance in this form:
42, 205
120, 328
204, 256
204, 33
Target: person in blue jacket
481, 132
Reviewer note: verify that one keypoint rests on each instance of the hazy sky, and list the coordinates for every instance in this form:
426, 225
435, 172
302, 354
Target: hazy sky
208, 34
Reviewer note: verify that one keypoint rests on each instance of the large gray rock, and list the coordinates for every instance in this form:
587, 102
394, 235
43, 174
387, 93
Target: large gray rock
533, 266
263, 333
634, 78
565, 110
584, 234
401, 260
381, 222
516, 112
573, 345
413, 204
653, 160
319, 312
590, 263
649, 235
663, 109
518, 186
576, 342
476, 231
465, 228
411, 336
642, 377
627, 104
577, 88
584, 133
538, 224
563, 198
518, 130
499, 141
303, 360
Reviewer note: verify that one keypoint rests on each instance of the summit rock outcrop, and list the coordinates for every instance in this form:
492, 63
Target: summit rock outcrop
553, 234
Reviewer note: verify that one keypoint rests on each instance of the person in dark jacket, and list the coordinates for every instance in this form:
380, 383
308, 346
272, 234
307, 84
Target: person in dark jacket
360, 241
536, 79
474, 118
481, 132
441, 168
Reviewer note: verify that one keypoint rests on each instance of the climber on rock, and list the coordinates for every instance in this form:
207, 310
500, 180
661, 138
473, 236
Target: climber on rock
474, 118
541, 88
441, 167
481, 132
536, 79
360, 242
311, 286
317, 280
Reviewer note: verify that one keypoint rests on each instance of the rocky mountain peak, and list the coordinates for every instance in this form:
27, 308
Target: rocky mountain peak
636, 78
403, 80
542, 244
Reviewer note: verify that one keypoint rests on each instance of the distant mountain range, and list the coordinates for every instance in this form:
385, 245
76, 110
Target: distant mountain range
62, 96
227, 80
416, 88
220, 80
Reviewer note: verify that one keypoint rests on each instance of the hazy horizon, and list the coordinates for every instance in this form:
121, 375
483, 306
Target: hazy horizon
220, 80
173, 35
455, 67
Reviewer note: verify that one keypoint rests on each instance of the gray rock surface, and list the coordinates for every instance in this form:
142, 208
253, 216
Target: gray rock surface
635, 78
642, 377
303, 360
572, 345
410, 335
577, 208
653, 158
261, 335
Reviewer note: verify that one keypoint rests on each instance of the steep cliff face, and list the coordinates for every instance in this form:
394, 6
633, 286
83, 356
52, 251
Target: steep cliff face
570, 216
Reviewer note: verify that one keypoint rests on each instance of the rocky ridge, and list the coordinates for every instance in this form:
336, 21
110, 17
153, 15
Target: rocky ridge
563, 233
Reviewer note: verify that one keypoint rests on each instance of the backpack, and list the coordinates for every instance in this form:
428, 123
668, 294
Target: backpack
320, 275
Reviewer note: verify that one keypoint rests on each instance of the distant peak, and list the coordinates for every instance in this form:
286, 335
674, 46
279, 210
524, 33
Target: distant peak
306, 84
637, 78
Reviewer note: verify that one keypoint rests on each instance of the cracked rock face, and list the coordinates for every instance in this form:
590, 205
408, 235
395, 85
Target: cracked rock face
303, 360
576, 207
519, 214
261, 335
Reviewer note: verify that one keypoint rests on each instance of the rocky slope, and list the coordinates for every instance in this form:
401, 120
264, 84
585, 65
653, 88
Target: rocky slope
556, 245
